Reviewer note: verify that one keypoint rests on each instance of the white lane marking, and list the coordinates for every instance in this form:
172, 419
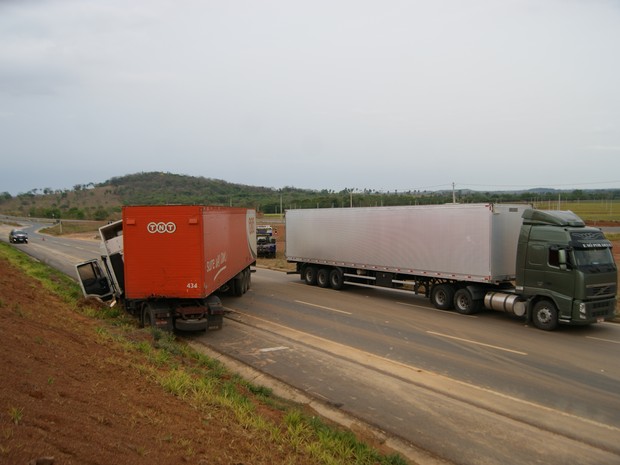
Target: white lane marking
601, 339
324, 308
273, 349
477, 343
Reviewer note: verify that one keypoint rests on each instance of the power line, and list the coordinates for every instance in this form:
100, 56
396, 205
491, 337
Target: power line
458, 186
524, 186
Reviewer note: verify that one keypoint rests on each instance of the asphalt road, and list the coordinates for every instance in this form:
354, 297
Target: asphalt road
58, 252
482, 389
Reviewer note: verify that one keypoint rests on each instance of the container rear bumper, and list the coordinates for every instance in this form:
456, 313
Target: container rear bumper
214, 321
199, 324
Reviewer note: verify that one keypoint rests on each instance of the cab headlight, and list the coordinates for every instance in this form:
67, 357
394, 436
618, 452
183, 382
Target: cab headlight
582, 310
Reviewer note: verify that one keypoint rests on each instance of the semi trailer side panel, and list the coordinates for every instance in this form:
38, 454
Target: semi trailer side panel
475, 242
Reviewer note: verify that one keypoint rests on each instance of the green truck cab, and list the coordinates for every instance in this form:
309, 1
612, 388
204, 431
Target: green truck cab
565, 270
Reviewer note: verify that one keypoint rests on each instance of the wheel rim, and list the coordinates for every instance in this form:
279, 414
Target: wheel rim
310, 275
544, 315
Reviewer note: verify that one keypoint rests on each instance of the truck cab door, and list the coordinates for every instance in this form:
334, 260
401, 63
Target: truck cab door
560, 279
93, 281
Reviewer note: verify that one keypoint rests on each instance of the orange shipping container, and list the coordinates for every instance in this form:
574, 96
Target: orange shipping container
188, 252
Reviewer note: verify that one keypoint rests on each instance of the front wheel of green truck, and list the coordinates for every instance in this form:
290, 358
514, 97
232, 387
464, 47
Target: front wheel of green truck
545, 315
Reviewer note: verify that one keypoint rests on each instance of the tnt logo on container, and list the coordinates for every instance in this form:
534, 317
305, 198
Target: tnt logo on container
161, 227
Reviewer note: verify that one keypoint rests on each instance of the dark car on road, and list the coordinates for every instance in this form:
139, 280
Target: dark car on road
17, 235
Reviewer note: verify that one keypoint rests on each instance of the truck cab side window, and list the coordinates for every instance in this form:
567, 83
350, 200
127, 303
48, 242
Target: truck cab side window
554, 258
559, 258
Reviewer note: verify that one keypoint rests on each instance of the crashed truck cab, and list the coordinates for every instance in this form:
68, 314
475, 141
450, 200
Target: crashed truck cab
104, 279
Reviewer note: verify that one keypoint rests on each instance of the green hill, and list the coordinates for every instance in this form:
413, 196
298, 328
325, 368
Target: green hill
104, 201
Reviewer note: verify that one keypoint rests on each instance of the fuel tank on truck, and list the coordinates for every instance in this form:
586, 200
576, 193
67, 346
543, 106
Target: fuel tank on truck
182, 251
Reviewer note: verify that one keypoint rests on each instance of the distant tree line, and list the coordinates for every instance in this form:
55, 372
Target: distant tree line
157, 188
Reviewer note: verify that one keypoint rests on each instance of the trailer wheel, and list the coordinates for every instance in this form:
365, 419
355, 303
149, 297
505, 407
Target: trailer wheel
442, 296
148, 319
310, 275
248, 276
144, 316
545, 315
464, 303
237, 286
322, 277
148, 316
244, 281
336, 279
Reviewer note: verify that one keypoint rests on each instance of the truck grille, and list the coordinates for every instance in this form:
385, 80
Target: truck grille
602, 309
599, 291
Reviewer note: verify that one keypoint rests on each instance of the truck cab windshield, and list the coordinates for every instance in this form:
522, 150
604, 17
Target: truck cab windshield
594, 260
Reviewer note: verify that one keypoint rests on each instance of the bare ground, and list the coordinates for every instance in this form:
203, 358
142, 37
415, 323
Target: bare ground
68, 394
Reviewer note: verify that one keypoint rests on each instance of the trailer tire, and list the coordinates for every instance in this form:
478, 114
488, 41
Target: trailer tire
244, 282
336, 279
235, 287
144, 316
464, 302
248, 276
442, 296
240, 284
545, 315
322, 277
148, 319
309, 275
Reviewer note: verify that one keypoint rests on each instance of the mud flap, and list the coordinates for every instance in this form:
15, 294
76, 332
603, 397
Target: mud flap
158, 315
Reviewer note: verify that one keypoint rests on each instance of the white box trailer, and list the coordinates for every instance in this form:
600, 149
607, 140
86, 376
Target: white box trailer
473, 242
547, 266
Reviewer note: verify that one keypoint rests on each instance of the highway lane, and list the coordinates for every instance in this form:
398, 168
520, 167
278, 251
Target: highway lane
574, 369
471, 390
60, 253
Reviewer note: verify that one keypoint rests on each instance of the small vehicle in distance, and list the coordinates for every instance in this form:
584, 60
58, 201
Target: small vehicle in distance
18, 236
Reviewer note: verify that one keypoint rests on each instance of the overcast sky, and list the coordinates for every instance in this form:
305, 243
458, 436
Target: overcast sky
322, 94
